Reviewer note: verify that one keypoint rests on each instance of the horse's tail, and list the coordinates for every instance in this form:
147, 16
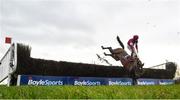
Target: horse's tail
121, 44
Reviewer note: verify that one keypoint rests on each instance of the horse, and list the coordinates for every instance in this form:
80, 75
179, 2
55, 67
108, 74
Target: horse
132, 64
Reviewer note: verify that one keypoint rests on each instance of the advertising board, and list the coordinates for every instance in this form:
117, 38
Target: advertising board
166, 81
69, 80
86, 81
145, 81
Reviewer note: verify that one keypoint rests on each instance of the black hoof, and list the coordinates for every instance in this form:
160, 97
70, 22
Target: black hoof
118, 37
102, 47
105, 54
142, 64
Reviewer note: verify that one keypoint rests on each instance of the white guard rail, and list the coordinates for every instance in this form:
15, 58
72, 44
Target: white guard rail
8, 63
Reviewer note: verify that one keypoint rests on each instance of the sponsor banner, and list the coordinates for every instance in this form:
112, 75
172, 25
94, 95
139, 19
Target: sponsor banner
119, 81
40, 80
65, 80
86, 81
89, 81
166, 81
144, 81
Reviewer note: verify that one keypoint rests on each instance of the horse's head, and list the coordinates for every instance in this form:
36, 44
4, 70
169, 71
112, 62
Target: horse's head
139, 63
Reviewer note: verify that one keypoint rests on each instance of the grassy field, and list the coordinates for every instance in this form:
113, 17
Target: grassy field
90, 92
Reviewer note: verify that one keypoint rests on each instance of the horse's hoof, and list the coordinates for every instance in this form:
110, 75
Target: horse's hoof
105, 54
118, 37
102, 47
142, 64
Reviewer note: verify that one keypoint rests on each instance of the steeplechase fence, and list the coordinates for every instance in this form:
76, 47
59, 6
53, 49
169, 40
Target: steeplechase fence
18, 64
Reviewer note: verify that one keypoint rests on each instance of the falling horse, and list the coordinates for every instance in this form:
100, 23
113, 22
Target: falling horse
132, 64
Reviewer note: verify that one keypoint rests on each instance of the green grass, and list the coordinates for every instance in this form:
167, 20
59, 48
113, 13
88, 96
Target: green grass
90, 92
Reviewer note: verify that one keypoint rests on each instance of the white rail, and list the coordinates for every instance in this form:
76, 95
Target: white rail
8, 63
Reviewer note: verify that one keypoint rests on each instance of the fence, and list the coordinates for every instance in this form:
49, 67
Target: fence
8, 63
17, 61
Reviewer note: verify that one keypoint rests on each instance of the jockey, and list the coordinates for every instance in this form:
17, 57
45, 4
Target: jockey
131, 43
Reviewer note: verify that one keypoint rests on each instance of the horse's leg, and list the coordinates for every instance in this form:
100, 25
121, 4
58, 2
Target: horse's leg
120, 42
105, 47
107, 54
109, 48
134, 81
112, 55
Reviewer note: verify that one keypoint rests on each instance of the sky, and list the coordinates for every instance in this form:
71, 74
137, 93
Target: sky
75, 30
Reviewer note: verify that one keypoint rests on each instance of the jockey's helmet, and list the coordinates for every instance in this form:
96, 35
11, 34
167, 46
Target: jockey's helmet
135, 37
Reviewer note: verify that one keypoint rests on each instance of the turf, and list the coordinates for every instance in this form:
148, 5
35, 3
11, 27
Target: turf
90, 92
